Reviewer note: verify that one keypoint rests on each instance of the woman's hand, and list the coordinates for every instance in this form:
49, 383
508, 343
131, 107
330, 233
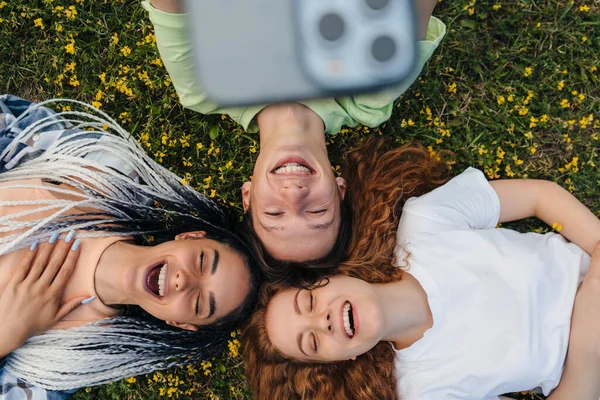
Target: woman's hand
582, 368
30, 303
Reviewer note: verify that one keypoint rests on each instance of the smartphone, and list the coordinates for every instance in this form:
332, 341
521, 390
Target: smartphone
265, 51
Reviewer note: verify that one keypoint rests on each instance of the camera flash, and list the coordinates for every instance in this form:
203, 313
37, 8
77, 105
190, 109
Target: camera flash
335, 67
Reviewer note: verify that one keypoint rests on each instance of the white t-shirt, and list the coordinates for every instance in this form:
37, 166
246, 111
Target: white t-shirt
501, 300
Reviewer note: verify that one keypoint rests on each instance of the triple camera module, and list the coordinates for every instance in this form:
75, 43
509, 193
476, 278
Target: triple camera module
352, 41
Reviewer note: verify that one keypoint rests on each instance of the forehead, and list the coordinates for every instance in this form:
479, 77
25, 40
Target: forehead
281, 322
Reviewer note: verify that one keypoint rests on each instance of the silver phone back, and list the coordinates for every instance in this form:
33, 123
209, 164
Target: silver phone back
245, 51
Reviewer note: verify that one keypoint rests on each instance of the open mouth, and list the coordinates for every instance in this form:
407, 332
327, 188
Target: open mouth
155, 279
293, 166
348, 317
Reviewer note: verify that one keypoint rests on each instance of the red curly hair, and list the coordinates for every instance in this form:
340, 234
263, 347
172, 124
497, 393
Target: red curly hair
380, 180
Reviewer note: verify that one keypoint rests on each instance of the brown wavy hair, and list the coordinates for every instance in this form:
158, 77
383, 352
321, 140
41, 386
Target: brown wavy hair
379, 181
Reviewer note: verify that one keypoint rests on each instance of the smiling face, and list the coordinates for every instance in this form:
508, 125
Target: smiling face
189, 283
335, 322
294, 196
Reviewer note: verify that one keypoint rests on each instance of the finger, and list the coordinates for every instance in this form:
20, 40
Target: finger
69, 307
594, 271
57, 259
66, 268
40, 261
26, 262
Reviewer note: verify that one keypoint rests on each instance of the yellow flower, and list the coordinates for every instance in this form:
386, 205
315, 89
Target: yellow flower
157, 62
584, 39
71, 12
70, 68
564, 103
544, 118
533, 149
528, 71
3, 4
452, 87
500, 100
70, 47
584, 8
114, 39
74, 81
557, 227
96, 104
533, 122
496, 7
131, 379
510, 98
38, 22
126, 50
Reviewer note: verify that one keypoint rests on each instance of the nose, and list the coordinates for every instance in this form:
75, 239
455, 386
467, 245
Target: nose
182, 281
323, 322
294, 191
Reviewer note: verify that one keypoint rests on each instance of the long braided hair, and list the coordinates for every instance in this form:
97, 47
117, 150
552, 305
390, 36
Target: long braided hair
154, 205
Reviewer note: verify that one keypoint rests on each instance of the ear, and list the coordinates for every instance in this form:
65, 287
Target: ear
191, 235
182, 325
246, 195
341, 182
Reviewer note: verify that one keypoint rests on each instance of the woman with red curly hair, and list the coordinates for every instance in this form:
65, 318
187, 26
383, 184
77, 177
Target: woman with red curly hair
473, 312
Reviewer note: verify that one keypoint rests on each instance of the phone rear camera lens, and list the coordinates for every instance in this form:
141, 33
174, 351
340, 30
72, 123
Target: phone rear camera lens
383, 49
332, 27
377, 4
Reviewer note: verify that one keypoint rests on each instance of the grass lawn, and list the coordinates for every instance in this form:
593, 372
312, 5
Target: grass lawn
513, 90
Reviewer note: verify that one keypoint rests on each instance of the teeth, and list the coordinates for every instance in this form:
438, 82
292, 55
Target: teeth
292, 167
346, 315
161, 280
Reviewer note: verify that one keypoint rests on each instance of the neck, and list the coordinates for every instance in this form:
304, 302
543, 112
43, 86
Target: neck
406, 311
292, 120
111, 272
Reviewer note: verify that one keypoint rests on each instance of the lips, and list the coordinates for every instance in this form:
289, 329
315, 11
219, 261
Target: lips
152, 277
348, 317
293, 166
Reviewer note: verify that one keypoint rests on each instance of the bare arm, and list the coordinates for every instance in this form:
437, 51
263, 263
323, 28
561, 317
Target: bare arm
582, 367
424, 10
169, 6
524, 198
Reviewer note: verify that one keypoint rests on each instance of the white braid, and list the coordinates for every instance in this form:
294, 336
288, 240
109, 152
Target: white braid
66, 359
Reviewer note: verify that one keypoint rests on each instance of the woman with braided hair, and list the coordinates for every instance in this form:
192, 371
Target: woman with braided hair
163, 277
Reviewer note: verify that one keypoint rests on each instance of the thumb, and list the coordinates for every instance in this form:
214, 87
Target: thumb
594, 270
70, 306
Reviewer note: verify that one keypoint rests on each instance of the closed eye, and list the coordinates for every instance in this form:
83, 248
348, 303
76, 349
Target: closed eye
311, 301
314, 338
318, 212
274, 214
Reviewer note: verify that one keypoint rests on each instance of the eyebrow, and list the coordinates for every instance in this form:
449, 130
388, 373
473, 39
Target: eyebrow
270, 228
300, 344
215, 262
211, 304
321, 226
297, 310
296, 306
